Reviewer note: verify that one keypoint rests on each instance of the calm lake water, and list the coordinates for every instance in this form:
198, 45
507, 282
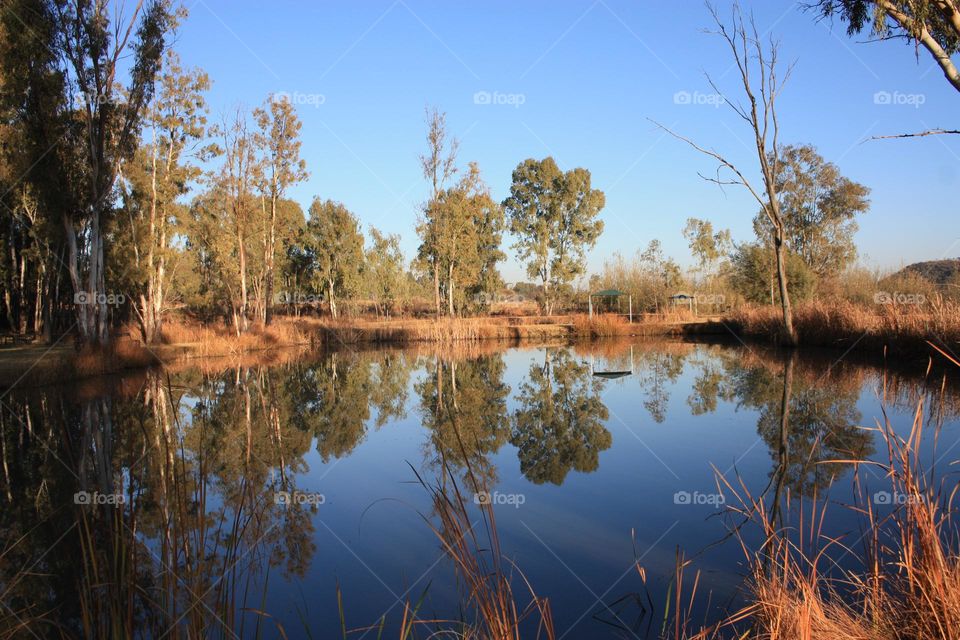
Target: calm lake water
234, 499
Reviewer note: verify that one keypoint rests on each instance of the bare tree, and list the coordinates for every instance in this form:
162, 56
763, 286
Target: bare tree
758, 65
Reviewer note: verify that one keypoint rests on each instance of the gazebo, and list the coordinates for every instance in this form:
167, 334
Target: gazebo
682, 297
611, 293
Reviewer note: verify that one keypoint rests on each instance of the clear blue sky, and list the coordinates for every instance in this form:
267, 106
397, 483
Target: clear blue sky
578, 80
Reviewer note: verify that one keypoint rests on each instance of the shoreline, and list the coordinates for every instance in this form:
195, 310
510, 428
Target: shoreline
34, 364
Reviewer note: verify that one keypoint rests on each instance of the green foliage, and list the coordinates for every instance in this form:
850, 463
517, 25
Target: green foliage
707, 246
553, 216
649, 277
819, 207
385, 272
334, 242
461, 234
914, 19
559, 425
463, 404
754, 275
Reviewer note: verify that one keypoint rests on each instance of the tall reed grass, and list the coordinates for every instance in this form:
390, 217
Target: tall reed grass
905, 580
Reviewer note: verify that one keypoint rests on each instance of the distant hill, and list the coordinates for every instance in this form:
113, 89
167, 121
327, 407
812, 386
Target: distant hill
936, 271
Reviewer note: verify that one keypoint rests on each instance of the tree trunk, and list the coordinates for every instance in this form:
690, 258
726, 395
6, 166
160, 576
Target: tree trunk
436, 286
330, 299
268, 262
242, 326
789, 333
450, 290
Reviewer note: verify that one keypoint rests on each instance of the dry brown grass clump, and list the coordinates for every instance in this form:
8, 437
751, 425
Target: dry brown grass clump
123, 353
219, 340
901, 327
909, 583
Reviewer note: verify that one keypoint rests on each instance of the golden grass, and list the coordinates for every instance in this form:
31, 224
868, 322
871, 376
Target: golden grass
900, 328
908, 585
218, 340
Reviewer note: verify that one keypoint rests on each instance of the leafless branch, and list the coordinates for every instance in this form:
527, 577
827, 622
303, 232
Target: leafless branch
919, 134
724, 163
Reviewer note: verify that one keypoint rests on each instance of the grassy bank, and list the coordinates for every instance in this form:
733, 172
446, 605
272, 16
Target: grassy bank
898, 329
195, 342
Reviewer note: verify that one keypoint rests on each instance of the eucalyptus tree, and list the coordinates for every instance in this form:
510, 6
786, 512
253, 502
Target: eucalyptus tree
559, 423
709, 247
279, 138
385, 271
160, 173
439, 164
465, 227
335, 244
553, 215
819, 207
235, 180
463, 405
74, 100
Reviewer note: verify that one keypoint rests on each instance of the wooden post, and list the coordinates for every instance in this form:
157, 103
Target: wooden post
630, 307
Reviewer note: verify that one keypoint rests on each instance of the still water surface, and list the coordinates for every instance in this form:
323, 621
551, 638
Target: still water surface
234, 499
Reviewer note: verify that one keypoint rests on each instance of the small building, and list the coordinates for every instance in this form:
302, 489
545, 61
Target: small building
614, 294
684, 298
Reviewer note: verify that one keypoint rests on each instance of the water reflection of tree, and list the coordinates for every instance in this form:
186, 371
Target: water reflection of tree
804, 418
199, 460
463, 405
333, 398
655, 370
559, 425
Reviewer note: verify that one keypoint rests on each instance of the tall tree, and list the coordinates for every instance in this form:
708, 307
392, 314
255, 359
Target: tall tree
235, 180
465, 226
385, 271
554, 218
334, 241
159, 175
279, 137
819, 208
439, 164
77, 54
755, 61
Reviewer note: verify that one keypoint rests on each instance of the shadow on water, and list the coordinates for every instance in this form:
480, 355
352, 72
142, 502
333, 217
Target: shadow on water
187, 502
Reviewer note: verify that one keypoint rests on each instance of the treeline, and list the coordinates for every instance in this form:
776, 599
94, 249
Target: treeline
125, 201
122, 200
